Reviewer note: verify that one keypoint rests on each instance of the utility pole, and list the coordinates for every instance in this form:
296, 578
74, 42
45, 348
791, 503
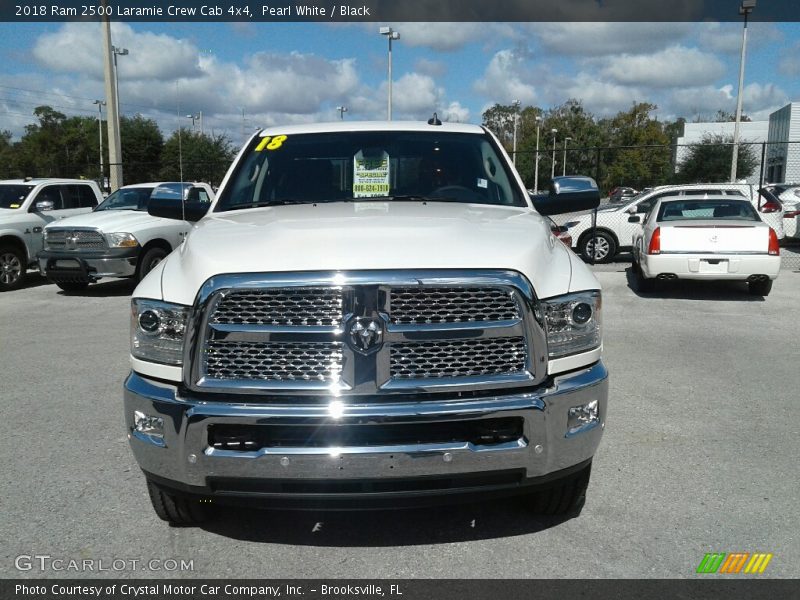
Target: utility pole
114, 143
554, 131
100, 105
745, 9
516, 105
390, 34
536, 171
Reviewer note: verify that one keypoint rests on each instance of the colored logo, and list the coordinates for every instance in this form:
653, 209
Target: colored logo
734, 562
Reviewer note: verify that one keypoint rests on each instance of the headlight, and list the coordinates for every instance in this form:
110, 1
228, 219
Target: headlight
573, 323
122, 240
157, 330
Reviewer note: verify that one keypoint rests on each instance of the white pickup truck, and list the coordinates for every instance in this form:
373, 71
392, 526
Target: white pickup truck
368, 313
119, 238
705, 238
26, 206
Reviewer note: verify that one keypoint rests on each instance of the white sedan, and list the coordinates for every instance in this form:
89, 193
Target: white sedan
714, 238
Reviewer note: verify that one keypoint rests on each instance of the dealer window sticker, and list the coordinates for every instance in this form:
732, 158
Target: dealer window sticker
371, 175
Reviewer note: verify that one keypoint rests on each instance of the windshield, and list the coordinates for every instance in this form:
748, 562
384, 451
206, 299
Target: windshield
371, 165
127, 199
12, 196
681, 210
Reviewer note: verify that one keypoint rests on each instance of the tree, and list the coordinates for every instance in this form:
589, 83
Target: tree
6, 155
142, 145
710, 160
197, 156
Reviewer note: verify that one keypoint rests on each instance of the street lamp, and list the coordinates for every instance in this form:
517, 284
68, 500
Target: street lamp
116, 51
342, 110
553, 166
536, 170
100, 105
566, 139
516, 104
197, 117
745, 9
390, 34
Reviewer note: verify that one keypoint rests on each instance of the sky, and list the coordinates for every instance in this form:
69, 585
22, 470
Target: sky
243, 76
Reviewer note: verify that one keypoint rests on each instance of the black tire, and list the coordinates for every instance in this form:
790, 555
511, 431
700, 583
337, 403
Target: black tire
177, 510
606, 247
643, 284
760, 288
565, 496
12, 268
72, 286
149, 260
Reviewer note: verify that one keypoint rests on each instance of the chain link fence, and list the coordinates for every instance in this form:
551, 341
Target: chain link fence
622, 172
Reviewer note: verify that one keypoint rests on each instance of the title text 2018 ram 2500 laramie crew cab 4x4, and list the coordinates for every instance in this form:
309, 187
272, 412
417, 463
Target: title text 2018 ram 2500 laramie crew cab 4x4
369, 313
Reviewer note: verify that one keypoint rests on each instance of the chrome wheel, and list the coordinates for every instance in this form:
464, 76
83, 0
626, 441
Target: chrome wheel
10, 268
599, 246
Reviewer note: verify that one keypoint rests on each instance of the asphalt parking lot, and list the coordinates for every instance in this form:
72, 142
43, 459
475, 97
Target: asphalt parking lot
699, 455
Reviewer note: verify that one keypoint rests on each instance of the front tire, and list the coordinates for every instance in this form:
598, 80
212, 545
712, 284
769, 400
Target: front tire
176, 510
760, 288
72, 286
603, 246
565, 496
149, 260
12, 268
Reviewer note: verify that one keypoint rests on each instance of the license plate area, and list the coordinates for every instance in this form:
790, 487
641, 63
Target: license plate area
715, 265
69, 263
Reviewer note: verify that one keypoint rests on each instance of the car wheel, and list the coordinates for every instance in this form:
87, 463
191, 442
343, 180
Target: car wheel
602, 246
760, 288
643, 284
72, 286
12, 268
149, 260
177, 510
565, 496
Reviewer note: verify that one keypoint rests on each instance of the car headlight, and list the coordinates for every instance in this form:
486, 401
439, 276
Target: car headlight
573, 323
122, 240
157, 330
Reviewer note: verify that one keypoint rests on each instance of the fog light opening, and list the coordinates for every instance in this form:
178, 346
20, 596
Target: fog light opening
583, 417
148, 424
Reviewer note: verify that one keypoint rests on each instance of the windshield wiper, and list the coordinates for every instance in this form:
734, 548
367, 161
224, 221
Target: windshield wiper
403, 198
269, 203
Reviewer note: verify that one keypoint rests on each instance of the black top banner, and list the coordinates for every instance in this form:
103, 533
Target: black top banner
397, 10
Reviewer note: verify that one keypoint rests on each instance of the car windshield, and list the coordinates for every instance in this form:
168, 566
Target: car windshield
681, 210
12, 195
127, 199
396, 166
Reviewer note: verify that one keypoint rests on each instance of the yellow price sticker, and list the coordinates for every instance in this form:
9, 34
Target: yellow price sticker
271, 142
13, 206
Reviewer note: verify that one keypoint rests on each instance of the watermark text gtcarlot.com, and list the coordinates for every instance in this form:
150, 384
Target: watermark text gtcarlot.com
47, 563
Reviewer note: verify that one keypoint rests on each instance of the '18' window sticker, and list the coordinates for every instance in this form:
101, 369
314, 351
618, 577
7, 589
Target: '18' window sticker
271, 142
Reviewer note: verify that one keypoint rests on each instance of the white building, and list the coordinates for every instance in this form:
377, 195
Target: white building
783, 149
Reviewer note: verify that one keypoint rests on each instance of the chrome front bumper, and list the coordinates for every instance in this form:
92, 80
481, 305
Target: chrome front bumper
184, 459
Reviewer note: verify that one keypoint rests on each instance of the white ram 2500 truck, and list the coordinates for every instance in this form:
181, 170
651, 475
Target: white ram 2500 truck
119, 238
368, 313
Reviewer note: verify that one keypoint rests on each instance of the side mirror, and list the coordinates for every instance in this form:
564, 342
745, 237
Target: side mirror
44, 205
634, 219
174, 208
568, 194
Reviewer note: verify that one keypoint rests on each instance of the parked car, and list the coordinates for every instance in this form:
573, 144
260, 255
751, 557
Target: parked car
381, 316
119, 238
711, 238
615, 231
621, 194
788, 196
26, 206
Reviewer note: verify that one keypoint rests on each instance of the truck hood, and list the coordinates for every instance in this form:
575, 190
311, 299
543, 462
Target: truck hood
109, 221
366, 236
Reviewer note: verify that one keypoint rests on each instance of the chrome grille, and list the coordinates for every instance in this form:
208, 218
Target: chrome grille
292, 307
274, 362
75, 239
448, 358
411, 305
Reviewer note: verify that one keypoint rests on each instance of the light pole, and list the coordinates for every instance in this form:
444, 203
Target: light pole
117, 51
342, 110
553, 166
536, 169
198, 117
745, 9
390, 34
100, 105
516, 104
566, 139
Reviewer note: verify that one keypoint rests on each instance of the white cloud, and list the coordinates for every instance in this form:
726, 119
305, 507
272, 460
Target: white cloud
598, 39
727, 37
676, 66
455, 113
758, 101
447, 37
434, 68
414, 96
503, 80
599, 96
789, 65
